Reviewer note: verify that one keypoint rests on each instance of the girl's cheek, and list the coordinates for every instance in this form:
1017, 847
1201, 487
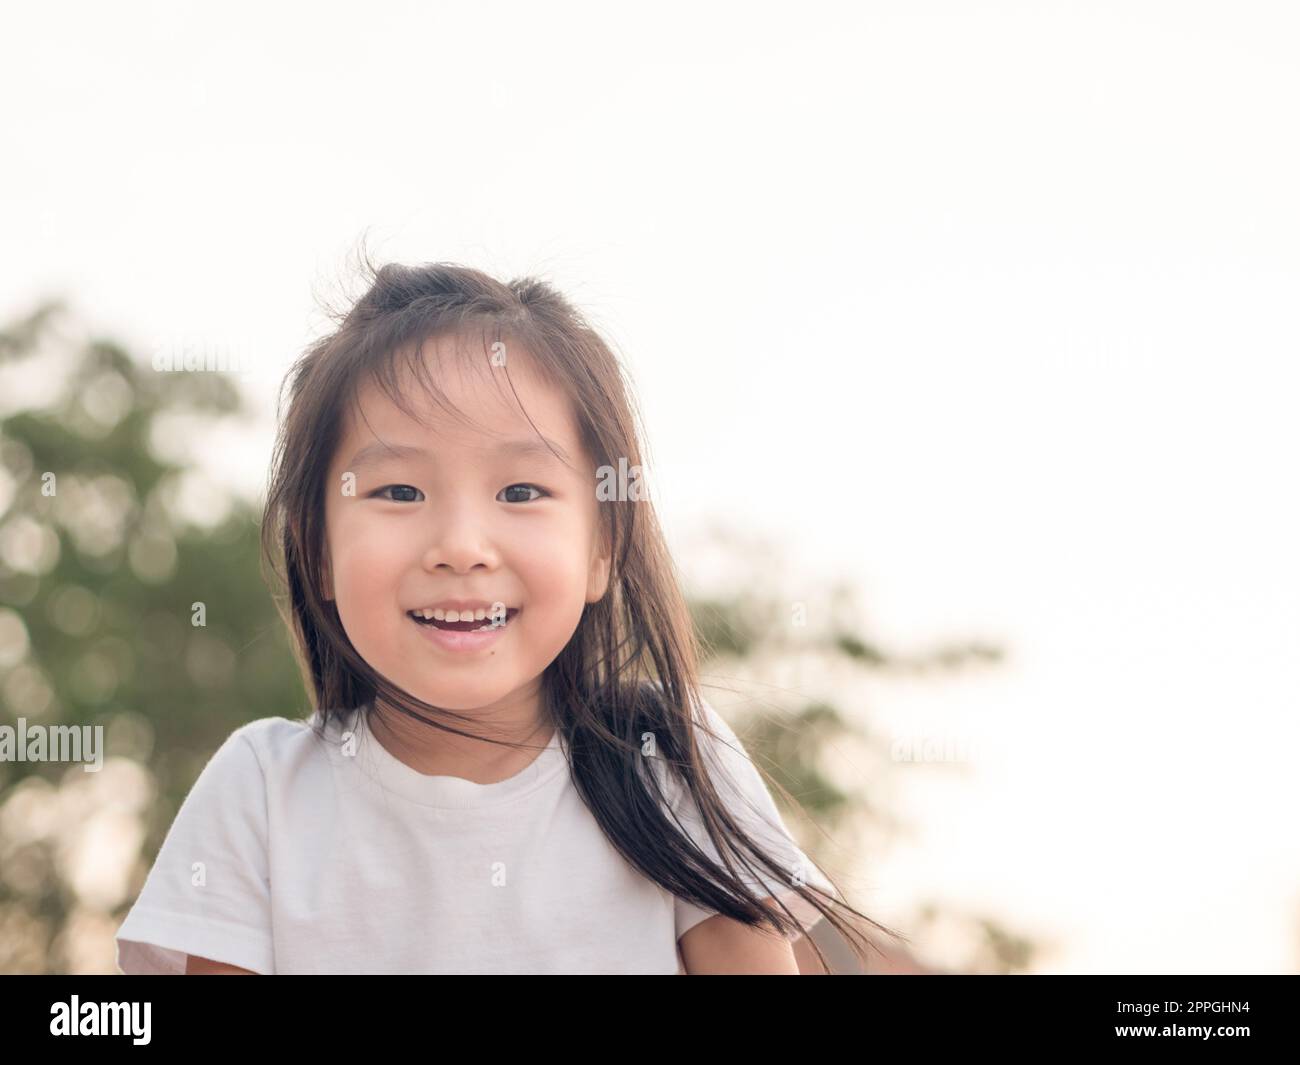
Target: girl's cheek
366, 567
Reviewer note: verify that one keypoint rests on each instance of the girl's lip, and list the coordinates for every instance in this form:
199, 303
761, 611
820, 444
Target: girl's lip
449, 640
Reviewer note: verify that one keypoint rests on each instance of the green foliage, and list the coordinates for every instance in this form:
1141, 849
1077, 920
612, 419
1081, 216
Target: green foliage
106, 576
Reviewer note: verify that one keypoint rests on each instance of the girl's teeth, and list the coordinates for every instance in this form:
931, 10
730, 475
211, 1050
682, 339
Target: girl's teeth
452, 616
479, 614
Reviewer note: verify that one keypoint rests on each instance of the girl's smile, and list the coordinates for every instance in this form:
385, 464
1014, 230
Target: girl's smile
475, 634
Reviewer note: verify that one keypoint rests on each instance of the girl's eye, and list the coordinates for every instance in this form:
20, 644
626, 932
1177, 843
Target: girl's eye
541, 492
397, 487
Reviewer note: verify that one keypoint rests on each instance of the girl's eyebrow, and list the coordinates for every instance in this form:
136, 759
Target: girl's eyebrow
372, 454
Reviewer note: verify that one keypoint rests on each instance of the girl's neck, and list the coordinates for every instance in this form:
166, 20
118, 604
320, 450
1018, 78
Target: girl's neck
434, 752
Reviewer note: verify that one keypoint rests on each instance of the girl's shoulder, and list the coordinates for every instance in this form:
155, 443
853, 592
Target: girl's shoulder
261, 747
723, 757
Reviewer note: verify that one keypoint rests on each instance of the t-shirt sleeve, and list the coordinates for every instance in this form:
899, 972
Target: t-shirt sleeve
208, 892
746, 796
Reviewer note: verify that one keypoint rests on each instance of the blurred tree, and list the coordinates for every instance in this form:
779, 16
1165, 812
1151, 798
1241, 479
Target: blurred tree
765, 627
117, 609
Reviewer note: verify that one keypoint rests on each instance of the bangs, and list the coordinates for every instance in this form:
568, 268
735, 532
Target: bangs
410, 368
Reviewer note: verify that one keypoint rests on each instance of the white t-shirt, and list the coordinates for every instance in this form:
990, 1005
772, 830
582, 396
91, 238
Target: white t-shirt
290, 855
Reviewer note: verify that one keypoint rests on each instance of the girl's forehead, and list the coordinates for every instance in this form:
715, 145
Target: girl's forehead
461, 402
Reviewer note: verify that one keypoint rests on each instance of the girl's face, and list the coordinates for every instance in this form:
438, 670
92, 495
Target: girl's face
457, 511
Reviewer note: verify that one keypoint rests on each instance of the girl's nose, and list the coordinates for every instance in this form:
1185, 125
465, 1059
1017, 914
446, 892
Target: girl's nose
460, 540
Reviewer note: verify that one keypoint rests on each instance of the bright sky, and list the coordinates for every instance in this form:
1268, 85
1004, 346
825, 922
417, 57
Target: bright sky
989, 308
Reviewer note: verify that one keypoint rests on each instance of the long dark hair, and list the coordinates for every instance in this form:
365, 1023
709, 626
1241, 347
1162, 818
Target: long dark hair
630, 668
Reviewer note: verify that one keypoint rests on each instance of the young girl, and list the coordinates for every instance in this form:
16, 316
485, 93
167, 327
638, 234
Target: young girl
509, 768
